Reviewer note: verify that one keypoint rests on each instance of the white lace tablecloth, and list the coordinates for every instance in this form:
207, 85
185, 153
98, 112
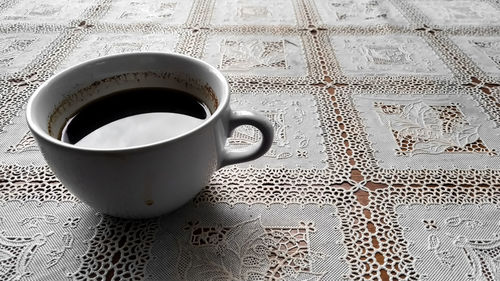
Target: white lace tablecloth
385, 164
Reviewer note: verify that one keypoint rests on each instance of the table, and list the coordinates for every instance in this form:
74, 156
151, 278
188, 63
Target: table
385, 164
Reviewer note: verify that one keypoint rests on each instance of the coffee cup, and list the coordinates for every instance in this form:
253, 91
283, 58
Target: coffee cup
146, 179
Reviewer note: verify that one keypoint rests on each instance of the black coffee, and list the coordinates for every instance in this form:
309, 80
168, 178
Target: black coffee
134, 117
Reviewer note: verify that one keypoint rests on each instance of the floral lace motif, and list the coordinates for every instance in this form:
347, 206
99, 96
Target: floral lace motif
141, 11
265, 253
258, 55
46, 12
432, 225
411, 132
35, 241
238, 55
15, 255
462, 12
465, 243
420, 128
256, 12
255, 248
365, 12
386, 55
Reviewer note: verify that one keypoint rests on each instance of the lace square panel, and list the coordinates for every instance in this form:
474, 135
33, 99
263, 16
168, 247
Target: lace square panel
143, 11
483, 51
431, 132
249, 242
253, 12
104, 42
19, 49
359, 13
379, 55
257, 55
459, 13
453, 241
44, 240
437, 233
43, 12
298, 141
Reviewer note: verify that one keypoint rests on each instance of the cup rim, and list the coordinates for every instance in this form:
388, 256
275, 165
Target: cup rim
223, 102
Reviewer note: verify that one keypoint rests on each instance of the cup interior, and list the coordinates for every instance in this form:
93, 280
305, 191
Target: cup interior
64, 94
72, 103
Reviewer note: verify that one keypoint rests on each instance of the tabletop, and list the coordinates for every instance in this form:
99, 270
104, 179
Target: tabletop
385, 163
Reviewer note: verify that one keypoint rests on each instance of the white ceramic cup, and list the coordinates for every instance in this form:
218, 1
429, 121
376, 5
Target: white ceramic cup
147, 180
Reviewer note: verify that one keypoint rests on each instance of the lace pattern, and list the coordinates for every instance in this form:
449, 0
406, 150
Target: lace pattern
119, 249
384, 167
47, 12
248, 243
262, 55
417, 129
25, 183
94, 45
449, 222
52, 236
483, 51
459, 240
137, 12
445, 13
359, 13
255, 12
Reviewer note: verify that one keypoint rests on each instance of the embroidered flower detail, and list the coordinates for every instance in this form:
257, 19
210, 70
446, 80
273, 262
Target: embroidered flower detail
72, 222
302, 154
309, 226
430, 225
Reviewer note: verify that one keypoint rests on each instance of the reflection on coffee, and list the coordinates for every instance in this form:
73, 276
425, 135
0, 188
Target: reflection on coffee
134, 117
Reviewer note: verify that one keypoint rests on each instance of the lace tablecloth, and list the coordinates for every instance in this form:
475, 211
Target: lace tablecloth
385, 164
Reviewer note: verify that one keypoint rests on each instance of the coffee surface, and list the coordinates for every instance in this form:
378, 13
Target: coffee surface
134, 117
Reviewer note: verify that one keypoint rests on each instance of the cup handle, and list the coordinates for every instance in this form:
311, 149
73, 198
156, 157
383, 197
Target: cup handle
254, 151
